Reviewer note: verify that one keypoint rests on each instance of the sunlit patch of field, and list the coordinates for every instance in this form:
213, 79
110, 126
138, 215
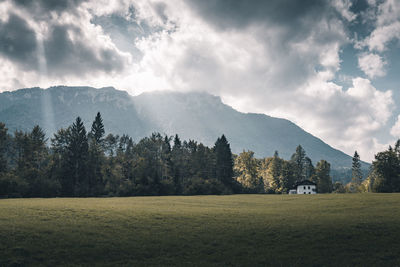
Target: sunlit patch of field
245, 230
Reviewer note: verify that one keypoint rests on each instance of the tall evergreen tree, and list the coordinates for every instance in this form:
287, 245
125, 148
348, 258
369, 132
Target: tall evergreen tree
167, 179
298, 161
224, 161
177, 164
95, 157
97, 131
77, 158
38, 146
177, 142
356, 170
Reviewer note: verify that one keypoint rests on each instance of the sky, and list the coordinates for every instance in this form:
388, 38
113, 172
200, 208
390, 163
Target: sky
331, 67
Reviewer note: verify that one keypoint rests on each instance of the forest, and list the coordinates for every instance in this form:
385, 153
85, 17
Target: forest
77, 163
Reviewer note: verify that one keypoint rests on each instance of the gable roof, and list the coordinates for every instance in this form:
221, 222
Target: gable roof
305, 182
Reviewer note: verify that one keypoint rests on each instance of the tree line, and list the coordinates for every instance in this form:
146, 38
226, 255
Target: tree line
81, 163
75, 162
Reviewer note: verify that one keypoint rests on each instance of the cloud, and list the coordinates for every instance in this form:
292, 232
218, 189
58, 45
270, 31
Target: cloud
44, 7
387, 26
275, 57
56, 39
372, 65
18, 41
258, 65
227, 14
395, 130
382, 35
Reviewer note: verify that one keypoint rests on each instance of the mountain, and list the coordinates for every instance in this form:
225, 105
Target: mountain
197, 116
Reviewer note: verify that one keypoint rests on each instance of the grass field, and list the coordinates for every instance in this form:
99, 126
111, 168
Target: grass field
244, 230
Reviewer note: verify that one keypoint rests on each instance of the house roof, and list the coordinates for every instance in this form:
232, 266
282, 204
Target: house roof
305, 182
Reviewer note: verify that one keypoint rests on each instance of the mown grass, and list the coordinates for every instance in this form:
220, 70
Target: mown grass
237, 230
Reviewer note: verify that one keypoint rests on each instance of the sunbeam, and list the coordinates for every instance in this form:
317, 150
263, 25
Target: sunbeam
47, 105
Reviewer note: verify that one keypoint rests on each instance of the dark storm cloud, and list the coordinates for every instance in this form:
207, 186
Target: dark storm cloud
49, 5
77, 57
68, 46
241, 13
18, 41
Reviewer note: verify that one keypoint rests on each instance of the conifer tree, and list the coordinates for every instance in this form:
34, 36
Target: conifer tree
166, 164
38, 146
77, 158
95, 157
177, 142
97, 131
177, 164
356, 171
298, 161
224, 161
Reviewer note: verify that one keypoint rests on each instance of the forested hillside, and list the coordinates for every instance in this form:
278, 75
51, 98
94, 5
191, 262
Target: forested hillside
196, 116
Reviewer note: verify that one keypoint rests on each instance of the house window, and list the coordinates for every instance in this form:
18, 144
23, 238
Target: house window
305, 193
304, 187
308, 187
309, 192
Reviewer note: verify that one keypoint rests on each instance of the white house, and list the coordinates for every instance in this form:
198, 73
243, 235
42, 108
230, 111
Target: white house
304, 187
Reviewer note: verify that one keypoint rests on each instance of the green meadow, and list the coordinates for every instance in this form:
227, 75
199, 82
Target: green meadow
234, 230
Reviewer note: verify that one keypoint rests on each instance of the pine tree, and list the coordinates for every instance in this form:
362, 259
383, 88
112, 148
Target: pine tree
95, 157
298, 161
356, 172
177, 142
97, 131
177, 164
77, 158
166, 164
38, 146
224, 161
